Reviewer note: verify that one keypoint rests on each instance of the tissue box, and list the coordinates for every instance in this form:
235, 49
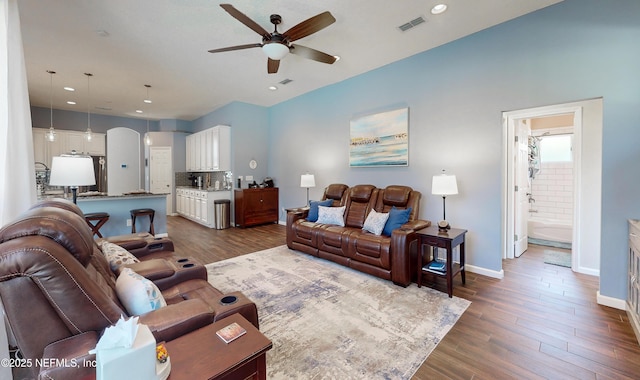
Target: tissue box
136, 362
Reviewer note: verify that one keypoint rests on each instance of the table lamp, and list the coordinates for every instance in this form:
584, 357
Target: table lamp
444, 185
72, 170
307, 180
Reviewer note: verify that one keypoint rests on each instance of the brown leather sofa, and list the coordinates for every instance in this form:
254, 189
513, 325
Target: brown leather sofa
59, 293
388, 257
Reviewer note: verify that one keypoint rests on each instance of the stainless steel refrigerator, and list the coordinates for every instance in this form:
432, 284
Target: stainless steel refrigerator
100, 171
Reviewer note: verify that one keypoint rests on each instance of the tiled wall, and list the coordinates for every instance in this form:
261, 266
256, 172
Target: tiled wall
182, 178
552, 190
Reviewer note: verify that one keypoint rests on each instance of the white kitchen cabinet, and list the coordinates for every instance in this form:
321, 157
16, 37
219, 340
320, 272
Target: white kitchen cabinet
43, 149
209, 150
97, 146
65, 142
197, 205
221, 147
39, 146
74, 140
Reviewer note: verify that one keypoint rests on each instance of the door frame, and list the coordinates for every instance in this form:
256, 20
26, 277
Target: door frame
587, 185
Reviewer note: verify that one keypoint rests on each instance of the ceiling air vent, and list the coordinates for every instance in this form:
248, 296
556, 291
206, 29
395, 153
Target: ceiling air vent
286, 81
412, 23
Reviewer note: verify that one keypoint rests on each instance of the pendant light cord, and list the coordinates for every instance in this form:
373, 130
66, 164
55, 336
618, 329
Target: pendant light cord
51, 72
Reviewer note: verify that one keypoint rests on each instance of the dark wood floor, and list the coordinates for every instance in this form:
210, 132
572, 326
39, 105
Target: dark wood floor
540, 322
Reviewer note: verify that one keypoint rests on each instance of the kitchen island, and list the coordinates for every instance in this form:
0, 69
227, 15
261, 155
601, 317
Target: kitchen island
118, 207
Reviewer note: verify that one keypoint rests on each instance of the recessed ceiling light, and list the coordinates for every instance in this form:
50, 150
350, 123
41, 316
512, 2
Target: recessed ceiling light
138, 111
69, 88
273, 88
71, 102
148, 101
439, 8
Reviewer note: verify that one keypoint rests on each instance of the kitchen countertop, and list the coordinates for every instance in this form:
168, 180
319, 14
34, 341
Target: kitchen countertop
210, 189
101, 196
105, 197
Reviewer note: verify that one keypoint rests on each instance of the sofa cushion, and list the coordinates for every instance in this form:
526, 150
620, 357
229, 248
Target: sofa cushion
331, 215
138, 294
397, 218
312, 216
375, 222
117, 256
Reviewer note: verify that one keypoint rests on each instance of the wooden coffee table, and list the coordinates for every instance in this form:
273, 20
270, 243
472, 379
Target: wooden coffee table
201, 354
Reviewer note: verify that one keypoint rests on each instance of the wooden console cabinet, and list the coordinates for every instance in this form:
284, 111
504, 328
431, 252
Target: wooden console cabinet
256, 206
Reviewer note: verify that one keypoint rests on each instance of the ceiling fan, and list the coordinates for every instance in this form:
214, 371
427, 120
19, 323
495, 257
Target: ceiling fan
277, 45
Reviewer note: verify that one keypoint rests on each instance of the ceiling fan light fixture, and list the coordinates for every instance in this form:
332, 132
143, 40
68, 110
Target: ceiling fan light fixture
275, 50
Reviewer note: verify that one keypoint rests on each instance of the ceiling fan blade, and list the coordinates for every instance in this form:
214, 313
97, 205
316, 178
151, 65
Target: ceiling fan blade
272, 66
238, 47
314, 54
245, 20
309, 26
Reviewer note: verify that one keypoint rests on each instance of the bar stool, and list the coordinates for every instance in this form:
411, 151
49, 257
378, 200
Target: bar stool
142, 212
99, 217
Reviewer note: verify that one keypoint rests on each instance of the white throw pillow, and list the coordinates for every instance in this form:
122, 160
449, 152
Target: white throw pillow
331, 215
138, 294
117, 256
375, 222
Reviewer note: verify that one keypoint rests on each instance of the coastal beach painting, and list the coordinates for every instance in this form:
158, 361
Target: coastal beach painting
381, 139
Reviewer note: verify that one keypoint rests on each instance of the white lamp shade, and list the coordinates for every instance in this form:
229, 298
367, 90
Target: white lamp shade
72, 171
307, 180
275, 50
444, 185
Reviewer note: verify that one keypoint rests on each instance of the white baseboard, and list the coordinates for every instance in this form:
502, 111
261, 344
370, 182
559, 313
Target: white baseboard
485, 272
610, 301
589, 271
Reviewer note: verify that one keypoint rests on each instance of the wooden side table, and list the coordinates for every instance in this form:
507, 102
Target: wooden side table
201, 354
448, 240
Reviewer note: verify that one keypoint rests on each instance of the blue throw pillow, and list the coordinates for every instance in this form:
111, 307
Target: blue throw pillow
313, 209
397, 218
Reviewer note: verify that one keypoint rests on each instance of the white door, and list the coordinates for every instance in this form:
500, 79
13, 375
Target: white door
523, 187
160, 173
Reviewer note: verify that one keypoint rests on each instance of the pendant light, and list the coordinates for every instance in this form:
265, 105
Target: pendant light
51, 135
147, 138
88, 134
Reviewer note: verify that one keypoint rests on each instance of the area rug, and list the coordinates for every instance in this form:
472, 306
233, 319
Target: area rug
327, 321
559, 258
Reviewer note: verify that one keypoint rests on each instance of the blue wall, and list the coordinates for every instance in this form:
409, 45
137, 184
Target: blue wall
456, 93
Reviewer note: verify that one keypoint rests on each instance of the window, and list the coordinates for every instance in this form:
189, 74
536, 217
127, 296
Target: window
556, 148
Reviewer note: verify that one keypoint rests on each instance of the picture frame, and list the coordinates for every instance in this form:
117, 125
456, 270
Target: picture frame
380, 139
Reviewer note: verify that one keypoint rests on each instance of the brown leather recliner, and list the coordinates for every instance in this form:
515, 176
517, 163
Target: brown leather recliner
159, 263
55, 284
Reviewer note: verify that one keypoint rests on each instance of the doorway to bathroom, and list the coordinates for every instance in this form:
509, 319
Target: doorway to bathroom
552, 181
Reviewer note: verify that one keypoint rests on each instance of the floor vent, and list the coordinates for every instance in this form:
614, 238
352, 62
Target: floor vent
412, 23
